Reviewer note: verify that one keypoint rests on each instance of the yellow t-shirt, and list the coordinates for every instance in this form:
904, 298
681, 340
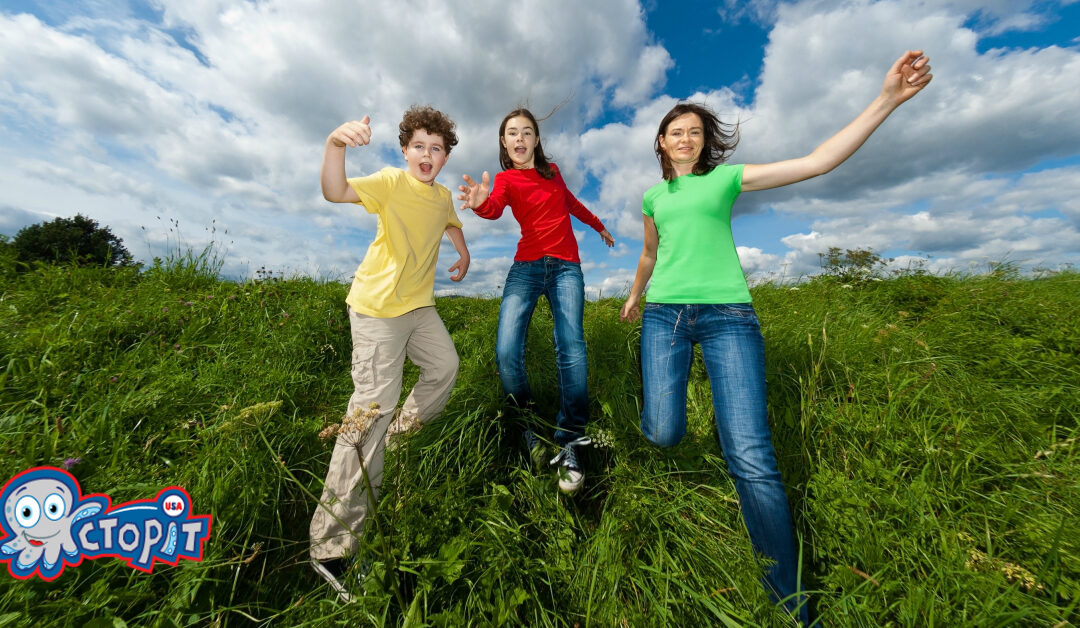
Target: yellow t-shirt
398, 271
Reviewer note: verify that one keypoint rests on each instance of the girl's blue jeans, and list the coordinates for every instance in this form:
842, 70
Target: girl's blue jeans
564, 286
734, 353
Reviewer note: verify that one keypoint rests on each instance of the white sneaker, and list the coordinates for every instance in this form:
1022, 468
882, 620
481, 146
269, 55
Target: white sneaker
571, 476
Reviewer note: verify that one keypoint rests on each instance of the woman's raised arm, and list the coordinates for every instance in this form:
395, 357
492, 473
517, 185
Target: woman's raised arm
907, 77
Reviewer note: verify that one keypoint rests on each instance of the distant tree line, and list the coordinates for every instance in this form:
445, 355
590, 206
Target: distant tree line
82, 241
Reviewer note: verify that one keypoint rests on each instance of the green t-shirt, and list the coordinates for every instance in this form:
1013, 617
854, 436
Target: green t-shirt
696, 260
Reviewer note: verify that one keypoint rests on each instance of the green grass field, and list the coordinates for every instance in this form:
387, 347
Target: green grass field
927, 428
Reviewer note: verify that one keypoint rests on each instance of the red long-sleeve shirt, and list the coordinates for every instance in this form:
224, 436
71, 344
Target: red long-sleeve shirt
542, 207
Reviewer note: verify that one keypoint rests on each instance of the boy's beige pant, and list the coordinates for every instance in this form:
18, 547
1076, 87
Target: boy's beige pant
380, 346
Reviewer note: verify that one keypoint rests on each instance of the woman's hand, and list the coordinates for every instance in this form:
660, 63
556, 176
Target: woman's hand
630, 311
907, 77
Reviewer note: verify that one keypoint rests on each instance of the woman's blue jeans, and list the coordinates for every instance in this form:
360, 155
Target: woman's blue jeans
564, 286
734, 352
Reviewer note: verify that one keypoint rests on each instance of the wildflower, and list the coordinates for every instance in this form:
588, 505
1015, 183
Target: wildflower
69, 463
846, 286
603, 439
165, 309
259, 410
176, 346
402, 424
114, 378
980, 561
354, 425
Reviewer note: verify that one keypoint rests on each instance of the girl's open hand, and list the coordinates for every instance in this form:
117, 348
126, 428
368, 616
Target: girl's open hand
355, 133
474, 194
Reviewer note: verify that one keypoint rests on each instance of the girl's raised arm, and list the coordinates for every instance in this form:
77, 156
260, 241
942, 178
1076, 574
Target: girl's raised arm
907, 77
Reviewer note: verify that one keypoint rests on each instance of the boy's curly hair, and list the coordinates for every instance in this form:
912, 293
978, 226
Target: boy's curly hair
429, 119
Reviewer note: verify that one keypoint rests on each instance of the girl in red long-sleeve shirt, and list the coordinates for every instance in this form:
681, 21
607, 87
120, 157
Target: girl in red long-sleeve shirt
546, 263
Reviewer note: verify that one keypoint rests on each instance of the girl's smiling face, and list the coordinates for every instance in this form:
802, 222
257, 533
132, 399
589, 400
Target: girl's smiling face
426, 155
519, 138
682, 142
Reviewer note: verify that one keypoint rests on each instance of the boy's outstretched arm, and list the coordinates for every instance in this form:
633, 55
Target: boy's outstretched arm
335, 186
457, 238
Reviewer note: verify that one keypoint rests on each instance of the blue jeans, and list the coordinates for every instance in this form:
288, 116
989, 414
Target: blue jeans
564, 286
734, 352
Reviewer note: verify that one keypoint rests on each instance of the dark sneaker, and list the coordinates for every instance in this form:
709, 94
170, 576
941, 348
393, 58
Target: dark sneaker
535, 448
571, 476
333, 571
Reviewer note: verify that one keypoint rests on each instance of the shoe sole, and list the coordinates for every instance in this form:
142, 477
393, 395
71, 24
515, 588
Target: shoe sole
332, 580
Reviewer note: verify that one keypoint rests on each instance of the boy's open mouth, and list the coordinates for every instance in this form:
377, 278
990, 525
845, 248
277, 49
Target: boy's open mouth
425, 168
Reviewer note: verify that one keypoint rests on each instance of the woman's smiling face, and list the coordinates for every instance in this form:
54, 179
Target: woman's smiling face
682, 142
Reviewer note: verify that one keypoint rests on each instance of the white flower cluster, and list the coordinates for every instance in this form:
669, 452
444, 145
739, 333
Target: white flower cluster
602, 439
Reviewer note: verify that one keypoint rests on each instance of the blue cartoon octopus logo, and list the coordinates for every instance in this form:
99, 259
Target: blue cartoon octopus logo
48, 524
41, 508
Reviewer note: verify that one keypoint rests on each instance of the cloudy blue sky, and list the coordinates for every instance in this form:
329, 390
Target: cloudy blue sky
181, 123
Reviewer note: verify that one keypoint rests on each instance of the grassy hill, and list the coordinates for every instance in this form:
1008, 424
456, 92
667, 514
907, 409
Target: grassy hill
927, 427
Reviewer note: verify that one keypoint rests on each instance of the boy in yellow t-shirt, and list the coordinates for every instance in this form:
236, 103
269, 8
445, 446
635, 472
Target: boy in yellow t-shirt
392, 315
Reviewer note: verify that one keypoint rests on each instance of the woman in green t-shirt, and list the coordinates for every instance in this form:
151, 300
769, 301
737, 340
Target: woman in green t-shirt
699, 295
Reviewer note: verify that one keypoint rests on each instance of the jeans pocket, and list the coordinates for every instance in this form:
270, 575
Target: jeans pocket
743, 312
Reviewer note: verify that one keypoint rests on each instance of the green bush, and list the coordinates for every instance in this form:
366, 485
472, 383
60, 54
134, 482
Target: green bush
79, 240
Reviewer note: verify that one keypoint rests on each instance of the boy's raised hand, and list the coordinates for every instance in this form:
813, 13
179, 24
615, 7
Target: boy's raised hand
474, 194
354, 133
